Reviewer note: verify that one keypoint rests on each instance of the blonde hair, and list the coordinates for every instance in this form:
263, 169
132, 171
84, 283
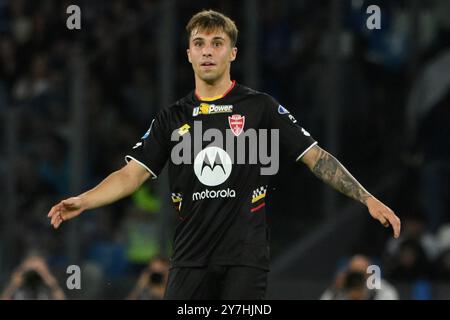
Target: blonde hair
210, 20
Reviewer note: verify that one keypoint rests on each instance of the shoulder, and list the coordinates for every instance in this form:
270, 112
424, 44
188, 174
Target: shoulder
186, 100
258, 96
247, 91
173, 109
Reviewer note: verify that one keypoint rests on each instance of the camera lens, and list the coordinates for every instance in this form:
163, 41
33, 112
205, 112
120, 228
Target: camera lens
156, 278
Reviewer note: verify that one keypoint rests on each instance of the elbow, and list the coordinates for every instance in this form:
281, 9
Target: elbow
311, 157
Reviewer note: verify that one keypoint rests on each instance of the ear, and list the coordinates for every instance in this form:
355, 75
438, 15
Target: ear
189, 55
234, 51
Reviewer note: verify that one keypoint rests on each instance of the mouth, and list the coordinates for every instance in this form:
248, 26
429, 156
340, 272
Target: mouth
207, 64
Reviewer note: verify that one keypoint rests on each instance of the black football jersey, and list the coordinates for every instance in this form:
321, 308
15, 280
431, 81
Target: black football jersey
221, 156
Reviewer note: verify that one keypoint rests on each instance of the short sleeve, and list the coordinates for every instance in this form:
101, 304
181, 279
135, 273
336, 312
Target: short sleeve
294, 139
152, 150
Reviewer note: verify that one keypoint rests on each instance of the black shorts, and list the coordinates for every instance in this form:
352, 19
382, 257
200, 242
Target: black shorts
216, 282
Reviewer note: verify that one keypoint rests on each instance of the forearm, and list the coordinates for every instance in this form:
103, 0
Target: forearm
52, 283
134, 295
331, 171
140, 286
9, 291
58, 294
116, 186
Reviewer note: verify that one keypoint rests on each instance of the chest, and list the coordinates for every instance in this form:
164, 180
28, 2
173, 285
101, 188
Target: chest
227, 119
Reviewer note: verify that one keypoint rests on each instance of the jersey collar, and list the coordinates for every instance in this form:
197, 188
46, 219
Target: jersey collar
209, 99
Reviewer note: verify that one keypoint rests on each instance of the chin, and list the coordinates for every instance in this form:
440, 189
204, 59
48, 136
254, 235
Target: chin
210, 78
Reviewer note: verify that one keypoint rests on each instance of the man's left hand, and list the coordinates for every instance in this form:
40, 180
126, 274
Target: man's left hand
384, 214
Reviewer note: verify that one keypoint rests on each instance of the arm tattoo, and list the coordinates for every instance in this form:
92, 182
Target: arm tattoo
330, 170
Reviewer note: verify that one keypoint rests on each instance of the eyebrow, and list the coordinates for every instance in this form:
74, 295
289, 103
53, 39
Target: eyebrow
215, 38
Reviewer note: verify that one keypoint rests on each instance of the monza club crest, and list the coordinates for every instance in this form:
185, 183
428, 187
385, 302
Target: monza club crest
236, 122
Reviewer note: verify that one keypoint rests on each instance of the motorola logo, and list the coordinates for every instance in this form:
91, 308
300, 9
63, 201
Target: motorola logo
212, 166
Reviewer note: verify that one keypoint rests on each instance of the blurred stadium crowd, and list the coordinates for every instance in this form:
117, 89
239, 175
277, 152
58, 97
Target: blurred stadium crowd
394, 100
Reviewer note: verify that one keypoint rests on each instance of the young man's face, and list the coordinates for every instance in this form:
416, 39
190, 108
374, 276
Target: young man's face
210, 54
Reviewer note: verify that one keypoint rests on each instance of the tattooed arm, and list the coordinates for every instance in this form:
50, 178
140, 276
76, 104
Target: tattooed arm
331, 171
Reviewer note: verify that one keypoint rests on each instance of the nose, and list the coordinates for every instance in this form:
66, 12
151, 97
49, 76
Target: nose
206, 50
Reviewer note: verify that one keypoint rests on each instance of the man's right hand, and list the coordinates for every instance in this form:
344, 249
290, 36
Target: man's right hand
116, 186
65, 210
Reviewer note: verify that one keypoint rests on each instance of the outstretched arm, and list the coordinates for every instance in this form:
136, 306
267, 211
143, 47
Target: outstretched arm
331, 171
116, 186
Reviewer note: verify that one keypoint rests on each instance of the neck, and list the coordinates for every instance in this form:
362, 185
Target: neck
204, 89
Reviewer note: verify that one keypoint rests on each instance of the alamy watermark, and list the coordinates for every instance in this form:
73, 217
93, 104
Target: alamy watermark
74, 20
374, 280
74, 280
248, 147
374, 20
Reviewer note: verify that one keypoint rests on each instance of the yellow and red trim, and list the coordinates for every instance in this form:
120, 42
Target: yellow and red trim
208, 99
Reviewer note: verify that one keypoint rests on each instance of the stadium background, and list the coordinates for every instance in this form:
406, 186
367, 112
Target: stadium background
72, 102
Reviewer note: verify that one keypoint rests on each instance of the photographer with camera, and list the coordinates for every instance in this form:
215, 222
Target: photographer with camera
32, 280
351, 284
152, 282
